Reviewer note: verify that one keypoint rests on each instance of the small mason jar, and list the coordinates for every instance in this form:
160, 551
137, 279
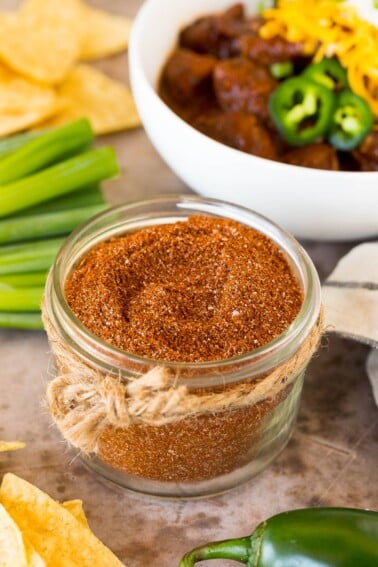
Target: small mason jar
256, 395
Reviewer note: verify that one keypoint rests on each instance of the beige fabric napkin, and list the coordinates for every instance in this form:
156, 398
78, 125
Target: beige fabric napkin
350, 298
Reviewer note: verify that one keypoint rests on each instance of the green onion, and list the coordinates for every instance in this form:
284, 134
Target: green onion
9, 320
49, 184
20, 298
46, 149
86, 197
74, 173
12, 143
31, 257
281, 70
262, 6
48, 224
33, 279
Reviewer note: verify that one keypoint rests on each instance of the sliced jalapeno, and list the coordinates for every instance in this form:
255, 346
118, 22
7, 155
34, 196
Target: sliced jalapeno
351, 121
328, 73
301, 110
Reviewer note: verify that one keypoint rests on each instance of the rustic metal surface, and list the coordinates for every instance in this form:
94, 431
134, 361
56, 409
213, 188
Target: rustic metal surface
332, 458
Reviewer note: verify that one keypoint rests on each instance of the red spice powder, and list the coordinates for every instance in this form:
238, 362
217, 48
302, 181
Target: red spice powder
196, 290
197, 448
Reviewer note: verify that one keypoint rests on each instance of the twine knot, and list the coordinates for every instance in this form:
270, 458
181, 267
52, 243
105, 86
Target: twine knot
83, 407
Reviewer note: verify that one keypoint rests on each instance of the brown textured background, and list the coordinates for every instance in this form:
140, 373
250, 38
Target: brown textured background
332, 458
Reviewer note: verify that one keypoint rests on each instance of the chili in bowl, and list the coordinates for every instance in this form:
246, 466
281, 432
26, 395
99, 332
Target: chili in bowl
240, 112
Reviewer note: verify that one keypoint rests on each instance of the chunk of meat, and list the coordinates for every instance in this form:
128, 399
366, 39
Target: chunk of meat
317, 156
214, 34
241, 85
239, 130
186, 73
267, 51
254, 23
367, 153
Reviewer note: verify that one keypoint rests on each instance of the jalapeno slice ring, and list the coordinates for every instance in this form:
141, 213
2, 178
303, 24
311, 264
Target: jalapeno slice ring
302, 110
328, 73
351, 122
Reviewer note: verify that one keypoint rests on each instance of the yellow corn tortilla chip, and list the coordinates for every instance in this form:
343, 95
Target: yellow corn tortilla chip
12, 548
40, 44
75, 507
33, 558
11, 445
59, 538
67, 13
107, 104
100, 33
15, 550
22, 102
106, 34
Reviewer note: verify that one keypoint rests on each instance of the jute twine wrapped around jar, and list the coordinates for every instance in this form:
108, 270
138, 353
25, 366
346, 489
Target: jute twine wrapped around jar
84, 401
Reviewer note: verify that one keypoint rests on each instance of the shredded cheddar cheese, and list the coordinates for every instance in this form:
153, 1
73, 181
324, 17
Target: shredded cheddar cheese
331, 29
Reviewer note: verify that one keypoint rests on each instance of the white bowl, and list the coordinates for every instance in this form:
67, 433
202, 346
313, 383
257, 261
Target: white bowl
314, 204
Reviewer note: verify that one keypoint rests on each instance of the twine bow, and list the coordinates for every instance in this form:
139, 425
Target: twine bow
83, 405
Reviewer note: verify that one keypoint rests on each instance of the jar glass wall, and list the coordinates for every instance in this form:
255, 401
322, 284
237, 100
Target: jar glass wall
204, 452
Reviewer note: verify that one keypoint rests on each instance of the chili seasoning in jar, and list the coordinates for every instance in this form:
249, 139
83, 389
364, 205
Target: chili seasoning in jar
181, 329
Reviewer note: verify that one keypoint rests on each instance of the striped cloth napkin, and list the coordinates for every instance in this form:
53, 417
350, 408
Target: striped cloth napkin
350, 298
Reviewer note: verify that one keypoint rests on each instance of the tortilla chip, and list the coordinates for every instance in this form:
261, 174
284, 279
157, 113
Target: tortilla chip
15, 550
33, 558
55, 534
12, 548
41, 44
100, 33
107, 104
23, 103
11, 445
75, 507
106, 34
67, 14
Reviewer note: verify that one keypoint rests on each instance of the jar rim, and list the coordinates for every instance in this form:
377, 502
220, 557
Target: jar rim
109, 358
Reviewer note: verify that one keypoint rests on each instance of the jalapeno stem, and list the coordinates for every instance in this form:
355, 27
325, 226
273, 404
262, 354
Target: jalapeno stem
235, 549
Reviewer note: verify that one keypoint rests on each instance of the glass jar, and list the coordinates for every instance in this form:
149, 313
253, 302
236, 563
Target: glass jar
208, 452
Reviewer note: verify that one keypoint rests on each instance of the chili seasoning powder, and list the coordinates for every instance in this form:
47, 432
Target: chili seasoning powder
204, 289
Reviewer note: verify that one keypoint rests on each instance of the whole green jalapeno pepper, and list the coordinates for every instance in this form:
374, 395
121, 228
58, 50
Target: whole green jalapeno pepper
312, 537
